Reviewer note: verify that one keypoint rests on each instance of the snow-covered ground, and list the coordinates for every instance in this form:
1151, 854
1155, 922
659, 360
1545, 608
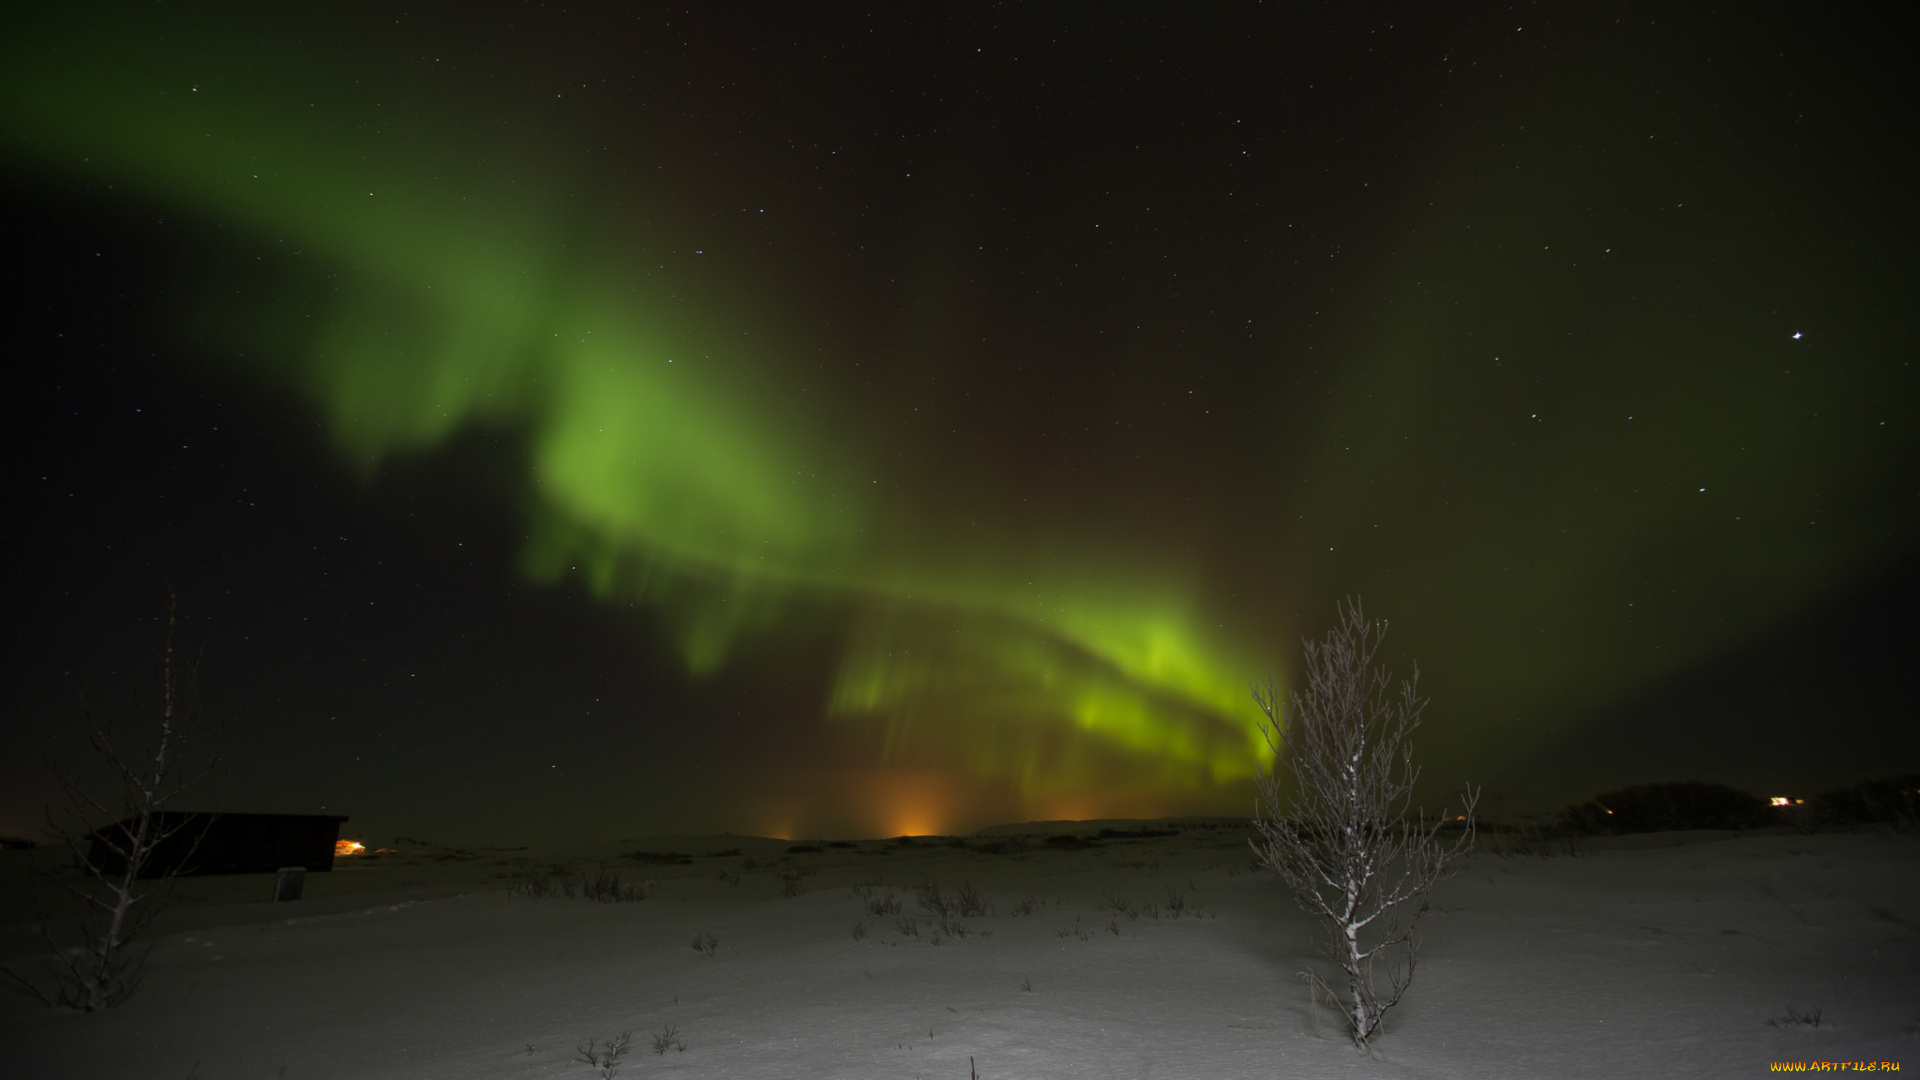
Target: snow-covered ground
1663, 955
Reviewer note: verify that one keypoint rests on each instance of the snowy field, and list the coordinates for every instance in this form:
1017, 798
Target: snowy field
1160, 956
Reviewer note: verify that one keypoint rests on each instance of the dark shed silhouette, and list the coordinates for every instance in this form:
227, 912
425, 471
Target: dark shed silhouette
230, 843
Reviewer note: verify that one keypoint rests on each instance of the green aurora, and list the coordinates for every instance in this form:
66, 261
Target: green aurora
1571, 438
433, 303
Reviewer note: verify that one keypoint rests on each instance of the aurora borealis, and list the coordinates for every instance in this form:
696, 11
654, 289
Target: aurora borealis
983, 398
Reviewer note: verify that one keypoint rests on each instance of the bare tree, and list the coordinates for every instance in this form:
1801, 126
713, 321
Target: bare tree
1342, 838
113, 839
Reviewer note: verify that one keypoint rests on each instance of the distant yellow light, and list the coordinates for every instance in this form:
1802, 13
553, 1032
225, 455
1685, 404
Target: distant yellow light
1780, 800
347, 847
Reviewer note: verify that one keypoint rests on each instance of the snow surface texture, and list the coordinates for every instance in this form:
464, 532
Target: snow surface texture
1663, 955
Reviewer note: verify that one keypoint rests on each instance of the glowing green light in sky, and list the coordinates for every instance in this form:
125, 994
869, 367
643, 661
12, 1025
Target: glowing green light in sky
413, 293
1551, 409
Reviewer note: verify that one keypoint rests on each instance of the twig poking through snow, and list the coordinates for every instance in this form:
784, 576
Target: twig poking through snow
605, 1056
668, 1040
1795, 1018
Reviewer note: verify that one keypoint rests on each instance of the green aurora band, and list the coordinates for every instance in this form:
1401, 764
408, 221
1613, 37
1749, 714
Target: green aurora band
1560, 424
426, 298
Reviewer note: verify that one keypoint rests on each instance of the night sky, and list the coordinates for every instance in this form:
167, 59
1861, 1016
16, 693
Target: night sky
806, 420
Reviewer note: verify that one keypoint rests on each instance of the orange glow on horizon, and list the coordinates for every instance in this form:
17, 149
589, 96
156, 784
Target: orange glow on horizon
917, 801
781, 822
913, 804
347, 847
1067, 811
913, 824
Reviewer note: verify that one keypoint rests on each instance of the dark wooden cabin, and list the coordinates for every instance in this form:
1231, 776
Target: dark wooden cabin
232, 843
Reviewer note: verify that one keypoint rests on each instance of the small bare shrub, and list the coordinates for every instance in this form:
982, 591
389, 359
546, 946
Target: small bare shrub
668, 1039
934, 901
603, 886
607, 888
705, 943
790, 883
969, 902
883, 905
533, 885
1026, 905
606, 1056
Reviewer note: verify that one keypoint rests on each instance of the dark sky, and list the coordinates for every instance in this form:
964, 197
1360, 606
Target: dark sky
811, 420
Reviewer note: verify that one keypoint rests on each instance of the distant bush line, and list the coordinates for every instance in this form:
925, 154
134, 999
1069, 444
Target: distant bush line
604, 886
1892, 801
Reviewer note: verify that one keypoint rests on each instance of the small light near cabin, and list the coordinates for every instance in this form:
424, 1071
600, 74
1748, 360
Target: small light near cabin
347, 847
